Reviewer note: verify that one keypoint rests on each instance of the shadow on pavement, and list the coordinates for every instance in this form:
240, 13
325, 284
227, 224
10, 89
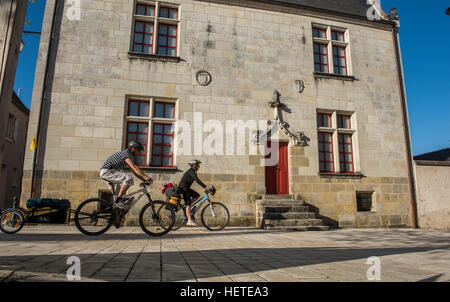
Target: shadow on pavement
179, 265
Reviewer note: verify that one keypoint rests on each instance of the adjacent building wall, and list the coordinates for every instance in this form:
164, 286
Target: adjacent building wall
433, 190
14, 153
12, 20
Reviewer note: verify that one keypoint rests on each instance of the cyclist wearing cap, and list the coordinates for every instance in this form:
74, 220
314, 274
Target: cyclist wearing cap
185, 184
110, 171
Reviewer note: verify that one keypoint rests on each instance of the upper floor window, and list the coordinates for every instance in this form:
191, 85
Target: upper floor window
156, 27
331, 50
324, 120
338, 36
145, 10
320, 33
12, 131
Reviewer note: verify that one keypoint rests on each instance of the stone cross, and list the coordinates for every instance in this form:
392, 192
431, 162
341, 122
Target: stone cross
277, 105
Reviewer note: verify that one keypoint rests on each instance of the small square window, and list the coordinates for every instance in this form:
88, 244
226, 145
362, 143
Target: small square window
337, 36
169, 13
319, 33
324, 120
138, 108
364, 201
164, 110
145, 10
343, 121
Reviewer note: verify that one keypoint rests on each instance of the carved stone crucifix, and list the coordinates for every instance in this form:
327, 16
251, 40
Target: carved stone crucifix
277, 105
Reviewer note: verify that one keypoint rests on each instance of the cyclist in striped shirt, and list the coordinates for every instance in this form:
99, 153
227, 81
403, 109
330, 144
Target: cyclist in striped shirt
118, 181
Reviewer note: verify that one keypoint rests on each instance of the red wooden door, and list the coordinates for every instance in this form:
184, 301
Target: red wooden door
277, 177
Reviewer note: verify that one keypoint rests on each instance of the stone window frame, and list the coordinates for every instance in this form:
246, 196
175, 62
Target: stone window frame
335, 132
156, 20
331, 44
151, 120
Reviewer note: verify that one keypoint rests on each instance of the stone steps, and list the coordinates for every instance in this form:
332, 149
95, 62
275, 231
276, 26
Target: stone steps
289, 215
283, 202
285, 209
293, 222
283, 213
297, 228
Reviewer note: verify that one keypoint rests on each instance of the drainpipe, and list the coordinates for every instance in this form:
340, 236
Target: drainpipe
407, 134
43, 99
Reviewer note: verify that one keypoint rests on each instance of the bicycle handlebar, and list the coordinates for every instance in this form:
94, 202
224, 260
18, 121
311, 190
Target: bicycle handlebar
211, 191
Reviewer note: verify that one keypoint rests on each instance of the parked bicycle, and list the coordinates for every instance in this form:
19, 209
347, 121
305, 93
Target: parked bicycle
95, 216
214, 216
13, 219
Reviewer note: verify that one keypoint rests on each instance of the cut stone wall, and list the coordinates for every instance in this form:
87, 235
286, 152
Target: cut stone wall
333, 199
433, 195
250, 50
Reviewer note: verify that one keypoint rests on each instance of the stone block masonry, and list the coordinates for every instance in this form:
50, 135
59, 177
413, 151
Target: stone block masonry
250, 49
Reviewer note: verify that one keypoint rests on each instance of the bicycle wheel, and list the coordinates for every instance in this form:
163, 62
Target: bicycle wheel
156, 219
11, 221
94, 216
215, 216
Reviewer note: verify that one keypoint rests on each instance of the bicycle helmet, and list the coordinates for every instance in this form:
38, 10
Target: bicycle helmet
194, 162
136, 145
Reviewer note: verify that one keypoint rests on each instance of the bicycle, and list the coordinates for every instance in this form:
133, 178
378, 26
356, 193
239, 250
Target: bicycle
95, 216
215, 216
13, 219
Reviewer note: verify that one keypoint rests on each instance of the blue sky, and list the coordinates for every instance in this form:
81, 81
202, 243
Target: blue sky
424, 33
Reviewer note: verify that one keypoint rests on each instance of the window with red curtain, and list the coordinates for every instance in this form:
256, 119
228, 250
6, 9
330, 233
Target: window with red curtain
326, 161
345, 153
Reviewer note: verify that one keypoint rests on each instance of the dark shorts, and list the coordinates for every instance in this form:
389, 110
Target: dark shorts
188, 194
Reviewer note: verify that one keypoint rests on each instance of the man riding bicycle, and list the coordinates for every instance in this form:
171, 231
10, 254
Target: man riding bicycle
118, 181
184, 186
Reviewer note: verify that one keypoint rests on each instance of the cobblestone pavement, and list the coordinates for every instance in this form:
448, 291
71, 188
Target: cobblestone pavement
40, 253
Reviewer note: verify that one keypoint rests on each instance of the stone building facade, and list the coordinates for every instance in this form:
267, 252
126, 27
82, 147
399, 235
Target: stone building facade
12, 20
14, 152
130, 69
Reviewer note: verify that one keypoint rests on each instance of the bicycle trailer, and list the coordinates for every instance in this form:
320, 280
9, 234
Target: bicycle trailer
48, 210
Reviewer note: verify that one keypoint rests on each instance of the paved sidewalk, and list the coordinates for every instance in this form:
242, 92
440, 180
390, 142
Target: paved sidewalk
39, 253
